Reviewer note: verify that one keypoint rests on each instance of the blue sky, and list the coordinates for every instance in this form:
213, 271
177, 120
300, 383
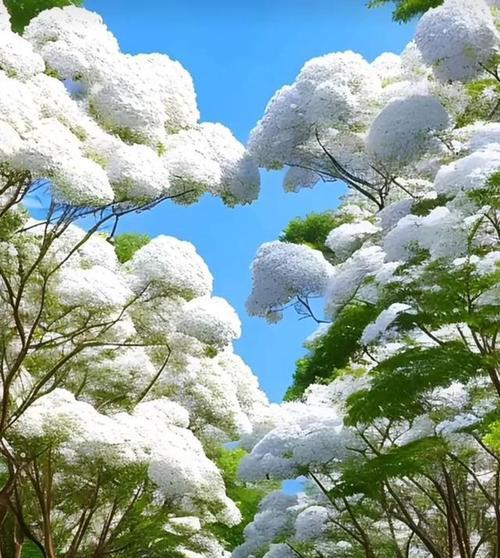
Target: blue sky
239, 53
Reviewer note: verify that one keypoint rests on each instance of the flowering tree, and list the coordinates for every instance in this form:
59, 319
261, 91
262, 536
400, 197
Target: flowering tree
393, 418
118, 379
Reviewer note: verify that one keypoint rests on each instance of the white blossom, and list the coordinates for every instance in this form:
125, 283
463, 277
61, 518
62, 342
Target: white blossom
311, 523
136, 172
388, 67
335, 90
171, 266
17, 57
73, 42
456, 38
384, 320
402, 130
209, 158
349, 276
283, 270
347, 238
442, 232
211, 320
95, 287
469, 173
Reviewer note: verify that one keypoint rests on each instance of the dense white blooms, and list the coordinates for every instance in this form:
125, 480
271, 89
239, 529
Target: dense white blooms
349, 276
72, 41
210, 388
335, 90
174, 86
311, 523
10, 142
155, 433
95, 287
81, 182
297, 178
17, 57
391, 214
47, 148
306, 435
172, 266
456, 38
421, 427
335, 394
347, 238
459, 422
129, 122
401, 131
4, 18
339, 87
282, 271
137, 173
211, 320
383, 322
96, 250
442, 232
273, 518
279, 551
483, 135
209, 158
417, 161
388, 66
469, 173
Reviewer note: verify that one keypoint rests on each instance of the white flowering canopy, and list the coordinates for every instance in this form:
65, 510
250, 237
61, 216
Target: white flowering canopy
457, 38
282, 271
416, 139
130, 368
108, 127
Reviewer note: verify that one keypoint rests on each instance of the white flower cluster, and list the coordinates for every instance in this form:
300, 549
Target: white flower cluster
303, 435
281, 271
400, 132
457, 38
156, 434
330, 91
170, 266
379, 118
108, 127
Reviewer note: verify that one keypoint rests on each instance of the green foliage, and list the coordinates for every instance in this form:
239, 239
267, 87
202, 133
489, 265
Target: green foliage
366, 477
30, 551
490, 195
492, 439
127, 244
23, 11
479, 107
405, 10
333, 350
246, 496
425, 206
311, 230
401, 382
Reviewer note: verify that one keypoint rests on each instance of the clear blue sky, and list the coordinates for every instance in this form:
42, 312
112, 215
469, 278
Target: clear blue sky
239, 53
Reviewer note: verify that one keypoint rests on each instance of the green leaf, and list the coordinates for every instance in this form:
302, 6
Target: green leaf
401, 382
333, 350
313, 229
405, 10
405, 461
23, 11
127, 244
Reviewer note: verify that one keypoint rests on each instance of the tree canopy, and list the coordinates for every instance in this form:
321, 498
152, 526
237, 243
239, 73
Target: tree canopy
405, 10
